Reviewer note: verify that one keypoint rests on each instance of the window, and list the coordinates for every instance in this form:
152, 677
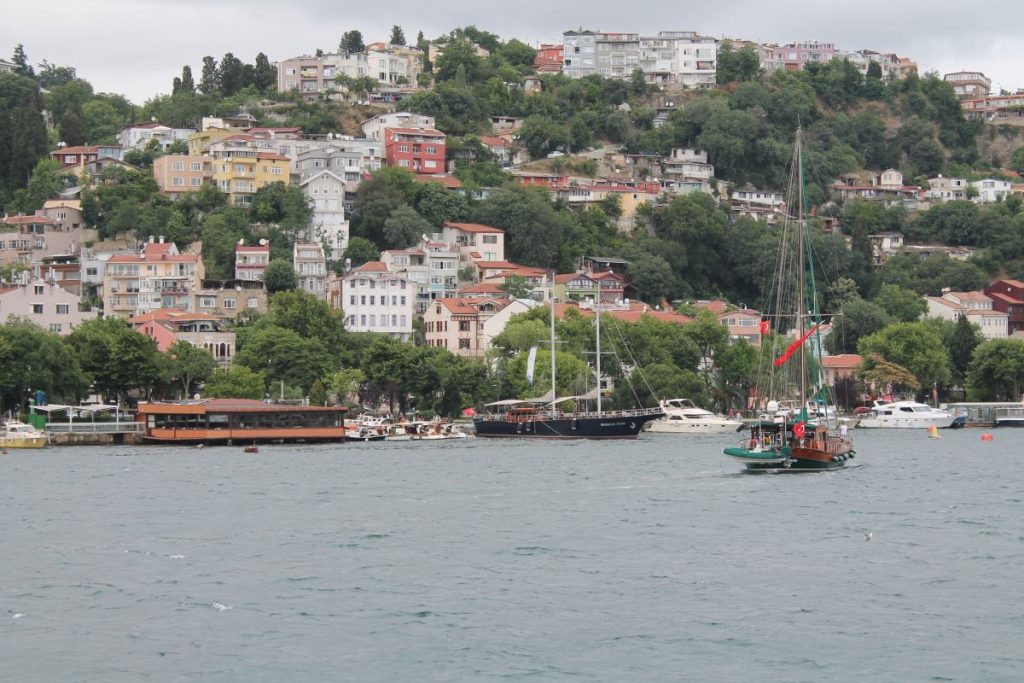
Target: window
372, 300
362, 300
252, 302
70, 159
403, 148
431, 150
373, 320
394, 321
229, 304
207, 302
403, 162
276, 170
402, 318
37, 309
62, 309
463, 326
239, 168
177, 166
56, 327
362, 320
352, 300
403, 297
177, 181
195, 182
463, 343
196, 166
38, 289
429, 163
490, 239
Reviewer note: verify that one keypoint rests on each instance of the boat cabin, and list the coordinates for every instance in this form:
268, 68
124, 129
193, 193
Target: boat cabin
225, 420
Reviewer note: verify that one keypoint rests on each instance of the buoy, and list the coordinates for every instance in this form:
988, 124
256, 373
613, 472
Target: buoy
933, 432
984, 437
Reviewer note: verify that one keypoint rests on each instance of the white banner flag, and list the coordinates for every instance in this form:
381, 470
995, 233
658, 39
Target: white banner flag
531, 362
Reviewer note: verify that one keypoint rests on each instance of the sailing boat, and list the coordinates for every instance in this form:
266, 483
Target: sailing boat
542, 418
790, 439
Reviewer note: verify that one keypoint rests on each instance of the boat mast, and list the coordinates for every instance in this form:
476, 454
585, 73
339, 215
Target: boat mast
597, 310
802, 298
553, 365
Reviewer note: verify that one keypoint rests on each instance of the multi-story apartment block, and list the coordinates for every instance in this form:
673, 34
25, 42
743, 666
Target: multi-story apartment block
251, 261
888, 62
582, 287
1008, 296
947, 189
349, 160
794, 56
157, 277
688, 163
475, 242
457, 324
433, 267
168, 326
374, 128
177, 174
579, 53
421, 150
549, 58
670, 57
227, 298
66, 215
969, 84
241, 171
311, 268
140, 135
29, 239
994, 107
326, 190
45, 303
977, 306
314, 75
377, 300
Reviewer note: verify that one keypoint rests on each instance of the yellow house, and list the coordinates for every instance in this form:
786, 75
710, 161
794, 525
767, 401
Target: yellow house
199, 143
240, 173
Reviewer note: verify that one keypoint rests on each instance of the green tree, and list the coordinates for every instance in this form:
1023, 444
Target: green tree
542, 134
1017, 160
736, 65
652, 276
209, 82
189, 365
458, 54
102, 121
517, 287
265, 78
534, 229
359, 251
437, 204
914, 346
72, 129
397, 35
901, 304
284, 356
230, 75
965, 339
116, 358
32, 359
997, 371
237, 381
279, 276
187, 84
351, 43
404, 228
23, 138
856, 319
318, 394
20, 60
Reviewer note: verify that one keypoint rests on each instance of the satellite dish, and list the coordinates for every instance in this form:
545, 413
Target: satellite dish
238, 288
263, 243
241, 241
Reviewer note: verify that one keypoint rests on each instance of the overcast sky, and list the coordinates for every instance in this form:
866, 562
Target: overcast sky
136, 47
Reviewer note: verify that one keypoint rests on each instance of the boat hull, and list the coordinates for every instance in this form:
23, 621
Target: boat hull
23, 441
605, 427
693, 427
907, 423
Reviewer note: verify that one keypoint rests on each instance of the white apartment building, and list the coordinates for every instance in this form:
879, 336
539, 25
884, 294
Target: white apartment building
377, 300
688, 163
251, 261
326, 189
670, 57
433, 267
474, 241
350, 159
977, 306
313, 75
46, 304
947, 189
310, 265
139, 135
991, 190
374, 128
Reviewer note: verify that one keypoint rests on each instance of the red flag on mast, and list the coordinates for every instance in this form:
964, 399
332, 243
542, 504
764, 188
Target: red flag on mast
765, 326
791, 349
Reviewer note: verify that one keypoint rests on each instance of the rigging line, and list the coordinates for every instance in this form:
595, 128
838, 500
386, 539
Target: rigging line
636, 365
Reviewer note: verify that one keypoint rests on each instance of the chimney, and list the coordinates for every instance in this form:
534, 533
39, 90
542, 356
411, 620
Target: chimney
161, 239
151, 239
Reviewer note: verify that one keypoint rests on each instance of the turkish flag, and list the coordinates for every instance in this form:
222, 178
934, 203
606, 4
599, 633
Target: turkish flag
765, 327
799, 429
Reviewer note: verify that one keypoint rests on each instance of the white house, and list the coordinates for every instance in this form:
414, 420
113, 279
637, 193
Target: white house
376, 300
947, 189
46, 304
327, 190
311, 268
976, 306
991, 190
374, 128
476, 242
138, 135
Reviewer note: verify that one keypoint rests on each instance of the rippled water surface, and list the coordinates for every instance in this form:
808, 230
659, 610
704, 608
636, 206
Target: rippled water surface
645, 561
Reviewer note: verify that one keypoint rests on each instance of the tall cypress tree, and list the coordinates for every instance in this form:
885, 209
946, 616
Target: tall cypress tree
208, 80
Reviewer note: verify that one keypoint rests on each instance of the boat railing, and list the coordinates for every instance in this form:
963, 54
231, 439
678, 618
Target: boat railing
559, 415
127, 427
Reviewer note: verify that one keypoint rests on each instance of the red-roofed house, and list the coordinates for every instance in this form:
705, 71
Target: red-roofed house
1008, 296
449, 181
552, 181
377, 300
743, 323
549, 59
168, 325
474, 238
420, 150
839, 366
158, 277
500, 147
582, 287
457, 324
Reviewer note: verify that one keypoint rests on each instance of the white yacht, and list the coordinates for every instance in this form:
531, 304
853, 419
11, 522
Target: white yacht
908, 415
683, 417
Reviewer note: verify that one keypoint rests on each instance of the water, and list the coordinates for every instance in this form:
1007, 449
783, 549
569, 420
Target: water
479, 560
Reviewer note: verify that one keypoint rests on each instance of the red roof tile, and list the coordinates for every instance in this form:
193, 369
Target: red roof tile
472, 227
451, 182
27, 220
